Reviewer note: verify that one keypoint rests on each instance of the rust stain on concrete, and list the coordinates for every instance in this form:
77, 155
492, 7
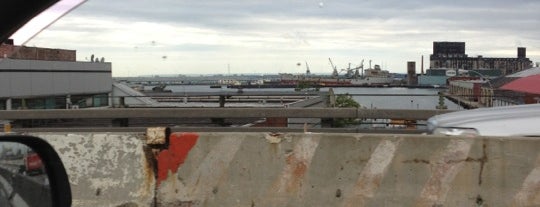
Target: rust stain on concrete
150, 170
200, 184
299, 169
372, 174
443, 171
291, 178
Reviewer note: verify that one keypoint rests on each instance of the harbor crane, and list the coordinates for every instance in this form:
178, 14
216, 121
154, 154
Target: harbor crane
335, 73
354, 72
349, 72
360, 67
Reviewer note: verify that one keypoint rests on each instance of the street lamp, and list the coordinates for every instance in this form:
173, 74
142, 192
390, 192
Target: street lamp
482, 76
491, 89
185, 94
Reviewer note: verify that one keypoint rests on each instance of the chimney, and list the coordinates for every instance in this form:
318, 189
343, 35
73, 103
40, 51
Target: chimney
422, 66
411, 73
521, 52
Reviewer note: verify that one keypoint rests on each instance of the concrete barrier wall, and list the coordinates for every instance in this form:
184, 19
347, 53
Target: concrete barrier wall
108, 169
263, 169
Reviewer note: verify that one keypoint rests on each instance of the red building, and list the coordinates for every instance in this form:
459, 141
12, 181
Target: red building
467, 89
8, 50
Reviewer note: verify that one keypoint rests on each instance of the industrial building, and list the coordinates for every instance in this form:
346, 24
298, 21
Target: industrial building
495, 92
452, 55
449, 59
44, 78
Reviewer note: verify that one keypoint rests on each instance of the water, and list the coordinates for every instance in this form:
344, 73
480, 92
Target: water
407, 98
206, 88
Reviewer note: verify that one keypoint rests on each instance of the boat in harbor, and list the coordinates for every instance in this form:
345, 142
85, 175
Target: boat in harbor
353, 77
374, 76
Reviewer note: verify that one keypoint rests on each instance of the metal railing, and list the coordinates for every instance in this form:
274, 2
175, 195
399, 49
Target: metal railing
118, 113
120, 117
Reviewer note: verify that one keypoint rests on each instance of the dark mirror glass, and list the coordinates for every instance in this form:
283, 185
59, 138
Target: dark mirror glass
23, 178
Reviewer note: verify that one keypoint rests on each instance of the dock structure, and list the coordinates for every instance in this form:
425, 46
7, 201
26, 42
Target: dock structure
255, 98
463, 102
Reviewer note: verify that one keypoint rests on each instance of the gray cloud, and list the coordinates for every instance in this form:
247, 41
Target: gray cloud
303, 29
243, 14
238, 13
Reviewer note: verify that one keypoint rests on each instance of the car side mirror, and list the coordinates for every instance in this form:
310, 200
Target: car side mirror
31, 173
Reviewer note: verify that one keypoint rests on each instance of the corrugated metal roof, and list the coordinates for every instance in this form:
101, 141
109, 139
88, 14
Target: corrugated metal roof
501, 81
529, 84
525, 73
498, 82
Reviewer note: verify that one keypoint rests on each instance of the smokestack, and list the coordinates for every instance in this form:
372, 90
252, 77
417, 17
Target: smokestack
422, 66
522, 52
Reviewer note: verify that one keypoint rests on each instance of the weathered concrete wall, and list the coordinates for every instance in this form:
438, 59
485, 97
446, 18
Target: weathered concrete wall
263, 169
353, 170
107, 169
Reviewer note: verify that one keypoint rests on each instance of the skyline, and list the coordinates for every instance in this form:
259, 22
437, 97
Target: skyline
191, 37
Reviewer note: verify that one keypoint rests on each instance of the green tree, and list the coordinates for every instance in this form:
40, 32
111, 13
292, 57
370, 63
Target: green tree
345, 101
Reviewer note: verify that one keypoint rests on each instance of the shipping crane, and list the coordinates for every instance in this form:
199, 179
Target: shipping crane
349, 72
361, 67
308, 72
334, 72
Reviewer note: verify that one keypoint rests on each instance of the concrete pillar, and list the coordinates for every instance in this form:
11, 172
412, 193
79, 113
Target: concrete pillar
9, 104
110, 100
68, 101
221, 101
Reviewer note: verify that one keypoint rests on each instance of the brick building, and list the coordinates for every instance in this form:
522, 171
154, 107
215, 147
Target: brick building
8, 50
452, 55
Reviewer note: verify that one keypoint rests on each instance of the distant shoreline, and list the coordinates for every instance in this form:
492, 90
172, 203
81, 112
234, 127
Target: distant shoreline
336, 86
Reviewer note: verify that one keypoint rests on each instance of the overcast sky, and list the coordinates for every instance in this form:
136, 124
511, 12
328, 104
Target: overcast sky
142, 37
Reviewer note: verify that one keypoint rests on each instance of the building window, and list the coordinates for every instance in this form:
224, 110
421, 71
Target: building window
37, 103
87, 101
17, 104
82, 101
101, 100
59, 102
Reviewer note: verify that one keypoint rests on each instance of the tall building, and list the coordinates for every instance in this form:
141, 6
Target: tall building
451, 55
412, 78
45, 78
